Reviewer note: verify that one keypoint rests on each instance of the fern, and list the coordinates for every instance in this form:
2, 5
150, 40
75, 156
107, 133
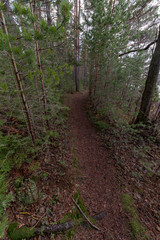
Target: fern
13, 151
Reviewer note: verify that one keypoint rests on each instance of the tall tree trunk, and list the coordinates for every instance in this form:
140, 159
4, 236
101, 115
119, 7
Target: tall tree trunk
19, 82
96, 76
41, 73
91, 79
76, 46
85, 70
143, 115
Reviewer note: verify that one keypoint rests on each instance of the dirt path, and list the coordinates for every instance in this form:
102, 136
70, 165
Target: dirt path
97, 181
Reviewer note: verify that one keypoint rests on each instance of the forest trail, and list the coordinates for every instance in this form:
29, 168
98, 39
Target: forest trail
97, 181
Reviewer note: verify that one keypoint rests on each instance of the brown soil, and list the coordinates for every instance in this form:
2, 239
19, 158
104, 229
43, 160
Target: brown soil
97, 177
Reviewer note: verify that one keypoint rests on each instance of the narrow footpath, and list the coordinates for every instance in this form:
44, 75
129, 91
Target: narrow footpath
97, 179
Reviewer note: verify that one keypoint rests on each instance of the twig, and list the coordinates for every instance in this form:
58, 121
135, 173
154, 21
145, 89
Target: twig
39, 220
80, 210
153, 156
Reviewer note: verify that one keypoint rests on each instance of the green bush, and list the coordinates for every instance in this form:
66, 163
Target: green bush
13, 151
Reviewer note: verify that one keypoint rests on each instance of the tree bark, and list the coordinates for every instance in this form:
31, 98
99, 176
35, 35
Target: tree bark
143, 115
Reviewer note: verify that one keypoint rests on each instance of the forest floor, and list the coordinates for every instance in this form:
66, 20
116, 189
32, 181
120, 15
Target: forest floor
110, 170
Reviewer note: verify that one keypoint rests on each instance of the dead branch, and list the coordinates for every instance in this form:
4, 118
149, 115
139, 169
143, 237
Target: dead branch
139, 50
86, 218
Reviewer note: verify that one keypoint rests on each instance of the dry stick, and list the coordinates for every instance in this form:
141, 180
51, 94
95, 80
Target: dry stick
39, 220
94, 226
18, 78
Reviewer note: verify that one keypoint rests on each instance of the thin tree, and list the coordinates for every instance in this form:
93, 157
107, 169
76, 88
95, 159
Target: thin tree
76, 43
40, 70
19, 80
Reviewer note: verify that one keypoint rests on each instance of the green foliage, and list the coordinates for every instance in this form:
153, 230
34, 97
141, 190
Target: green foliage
5, 199
35, 166
13, 151
20, 233
116, 83
101, 125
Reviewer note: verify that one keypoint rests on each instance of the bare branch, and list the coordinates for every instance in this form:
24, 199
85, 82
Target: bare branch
139, 50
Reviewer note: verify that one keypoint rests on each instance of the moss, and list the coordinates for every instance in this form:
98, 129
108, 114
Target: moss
137, 230
80, 202
21, 233
127, 203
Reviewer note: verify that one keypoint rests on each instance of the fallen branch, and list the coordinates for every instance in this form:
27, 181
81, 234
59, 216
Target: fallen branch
87, 219
24, 232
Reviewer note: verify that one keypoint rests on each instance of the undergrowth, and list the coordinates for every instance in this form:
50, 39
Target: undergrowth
13, 152
5, 199
15, 149
75, 216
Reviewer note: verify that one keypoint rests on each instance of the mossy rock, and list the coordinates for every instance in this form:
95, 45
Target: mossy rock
20, 233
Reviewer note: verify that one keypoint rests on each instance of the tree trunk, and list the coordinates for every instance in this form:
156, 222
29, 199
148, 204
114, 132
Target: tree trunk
85, 70
96, 77
48, 12
91, 79
143, 115
41, 74
19, 82
76, 45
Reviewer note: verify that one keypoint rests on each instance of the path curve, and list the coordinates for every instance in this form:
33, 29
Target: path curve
97, 181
